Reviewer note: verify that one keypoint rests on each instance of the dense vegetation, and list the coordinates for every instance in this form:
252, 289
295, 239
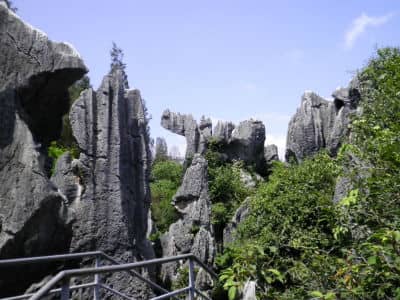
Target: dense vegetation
298, 244
227, 191
166, 177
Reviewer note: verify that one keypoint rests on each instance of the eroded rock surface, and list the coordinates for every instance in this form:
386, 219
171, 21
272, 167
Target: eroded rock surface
193, 231
110, 127
35, 75
243, 142
321, 124
271, 154
184, 125
241, 213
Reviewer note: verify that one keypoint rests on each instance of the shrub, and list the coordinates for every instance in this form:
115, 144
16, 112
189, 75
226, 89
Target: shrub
166, 178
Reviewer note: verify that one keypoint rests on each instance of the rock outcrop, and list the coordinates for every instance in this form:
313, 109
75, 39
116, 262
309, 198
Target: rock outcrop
321, 124
247, 143
271, 154
240, 215
35, 75
243, 142
193, 231
111, 213
184, 125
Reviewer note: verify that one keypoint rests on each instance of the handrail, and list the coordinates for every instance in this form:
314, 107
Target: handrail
48, 258
70, 256
127, 267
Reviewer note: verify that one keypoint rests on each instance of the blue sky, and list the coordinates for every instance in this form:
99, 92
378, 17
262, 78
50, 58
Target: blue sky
227, 60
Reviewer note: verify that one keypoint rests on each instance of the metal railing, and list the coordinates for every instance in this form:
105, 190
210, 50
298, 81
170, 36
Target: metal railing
64, 276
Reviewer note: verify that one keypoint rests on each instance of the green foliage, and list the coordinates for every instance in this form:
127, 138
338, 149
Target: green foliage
167, 170
219, 214
226, 189
182, 279
166, 178
67, 142
55, 150
369, 218
312, 248
117, 62
286, 241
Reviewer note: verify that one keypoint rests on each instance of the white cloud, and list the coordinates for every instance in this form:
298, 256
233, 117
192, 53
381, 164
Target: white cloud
360, 25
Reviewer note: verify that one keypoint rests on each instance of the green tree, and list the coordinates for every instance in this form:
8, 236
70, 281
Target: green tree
117, 62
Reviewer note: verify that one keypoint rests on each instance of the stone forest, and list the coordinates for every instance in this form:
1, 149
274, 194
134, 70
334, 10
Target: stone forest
80, 172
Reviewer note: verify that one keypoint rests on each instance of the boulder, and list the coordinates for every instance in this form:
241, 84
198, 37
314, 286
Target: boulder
35, 74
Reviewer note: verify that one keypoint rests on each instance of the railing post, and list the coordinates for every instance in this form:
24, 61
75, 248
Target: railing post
96, 288
191, 279
65, 289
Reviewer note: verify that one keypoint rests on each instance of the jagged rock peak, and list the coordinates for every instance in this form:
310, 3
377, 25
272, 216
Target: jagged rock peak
192, 232
223, 131
320, 123
35, 75
110, 128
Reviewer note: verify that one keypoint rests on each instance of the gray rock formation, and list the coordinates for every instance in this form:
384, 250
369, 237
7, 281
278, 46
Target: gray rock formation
241, 213
271, 154
110, 127
192, 232
205, 129
184, 125
321, 124
223, 131
247, 143
244, 142
35, 75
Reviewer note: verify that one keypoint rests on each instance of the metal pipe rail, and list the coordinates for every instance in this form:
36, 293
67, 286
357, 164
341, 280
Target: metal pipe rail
65, 275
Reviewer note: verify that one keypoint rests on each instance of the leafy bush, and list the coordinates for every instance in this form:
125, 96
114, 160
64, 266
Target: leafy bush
226, 189
297, 244
285, 242
166, 178
370, 215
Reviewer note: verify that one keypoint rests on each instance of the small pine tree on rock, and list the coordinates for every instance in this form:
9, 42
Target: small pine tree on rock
117, 56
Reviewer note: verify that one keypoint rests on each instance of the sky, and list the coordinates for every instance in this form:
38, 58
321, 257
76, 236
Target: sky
227, 60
